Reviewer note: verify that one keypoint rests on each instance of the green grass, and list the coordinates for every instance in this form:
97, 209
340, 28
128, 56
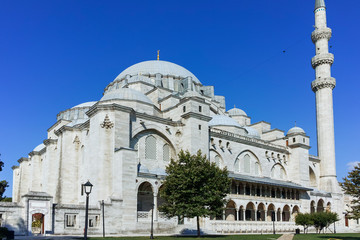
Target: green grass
342, 236
215, 237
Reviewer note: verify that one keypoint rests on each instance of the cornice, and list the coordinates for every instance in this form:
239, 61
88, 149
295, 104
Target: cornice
23, 159
14, 167
299, 145
323, 83
325, 58
57, 123
246, 140
197, 116
113, 106
158, 119
320, 34
313, 158
49, 141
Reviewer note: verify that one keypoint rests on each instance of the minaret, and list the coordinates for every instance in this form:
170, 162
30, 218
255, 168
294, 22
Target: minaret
323, 86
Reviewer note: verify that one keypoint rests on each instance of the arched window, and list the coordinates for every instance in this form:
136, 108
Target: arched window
278, 172
247, 164
150, 147
217, 160
166, 153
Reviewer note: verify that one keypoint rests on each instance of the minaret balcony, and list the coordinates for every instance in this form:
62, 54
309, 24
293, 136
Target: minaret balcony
323, 83
320, 33
325, 58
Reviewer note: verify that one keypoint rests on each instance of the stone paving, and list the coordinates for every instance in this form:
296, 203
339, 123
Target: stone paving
286, 237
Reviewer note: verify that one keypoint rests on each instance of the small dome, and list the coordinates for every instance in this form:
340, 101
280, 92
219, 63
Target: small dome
159, 171
295, 130
39, 147
222, 120
86, 104
252, 132
236, 112
126, 94
142, 169
153, 67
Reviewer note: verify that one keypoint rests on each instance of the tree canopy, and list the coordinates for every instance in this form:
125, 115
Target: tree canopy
194, 187
304, 219
351, 186
3, 184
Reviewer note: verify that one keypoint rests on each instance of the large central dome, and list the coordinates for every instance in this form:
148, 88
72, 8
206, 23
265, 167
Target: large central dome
157, 66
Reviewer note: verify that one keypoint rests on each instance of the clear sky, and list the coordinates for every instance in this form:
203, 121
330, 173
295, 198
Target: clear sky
57, 54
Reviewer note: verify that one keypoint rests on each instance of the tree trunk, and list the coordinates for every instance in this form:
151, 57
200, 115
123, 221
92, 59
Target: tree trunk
198, 226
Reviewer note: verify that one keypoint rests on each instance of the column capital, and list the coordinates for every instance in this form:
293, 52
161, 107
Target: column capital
321, 33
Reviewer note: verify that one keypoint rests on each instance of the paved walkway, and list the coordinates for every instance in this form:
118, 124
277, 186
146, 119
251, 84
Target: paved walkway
286, 237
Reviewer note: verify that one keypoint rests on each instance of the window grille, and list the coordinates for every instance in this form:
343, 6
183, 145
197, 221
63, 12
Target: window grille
247, 163
166, 153
217, 160
94, 221
150, 147
70, 220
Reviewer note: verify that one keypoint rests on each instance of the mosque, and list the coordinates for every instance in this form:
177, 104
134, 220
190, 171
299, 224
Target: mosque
153, 109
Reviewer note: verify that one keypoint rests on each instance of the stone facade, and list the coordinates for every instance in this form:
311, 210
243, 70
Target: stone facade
123, 142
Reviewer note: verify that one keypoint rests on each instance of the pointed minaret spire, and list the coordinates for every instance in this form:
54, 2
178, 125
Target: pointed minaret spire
319, 4
323, 86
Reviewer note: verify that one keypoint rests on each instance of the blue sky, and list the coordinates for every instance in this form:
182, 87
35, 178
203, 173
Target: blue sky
57, 54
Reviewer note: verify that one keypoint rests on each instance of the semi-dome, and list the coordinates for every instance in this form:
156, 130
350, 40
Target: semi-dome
222, 120
236, 112
296, 130
39, 147
126, 94
252, 132
157, 66
86, 104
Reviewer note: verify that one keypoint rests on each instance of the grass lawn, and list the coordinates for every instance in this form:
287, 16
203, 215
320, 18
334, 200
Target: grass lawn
342, 236
216, 237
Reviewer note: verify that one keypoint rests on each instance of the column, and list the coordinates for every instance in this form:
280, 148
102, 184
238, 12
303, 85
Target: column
237, 188
244, 187
265, 215
237, 215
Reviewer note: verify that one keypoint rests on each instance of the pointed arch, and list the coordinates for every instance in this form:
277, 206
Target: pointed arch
312, 177
230, 211
278, 171
247, 162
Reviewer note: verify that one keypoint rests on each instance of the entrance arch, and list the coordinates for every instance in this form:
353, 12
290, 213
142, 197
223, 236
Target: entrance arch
37, 223
250, 212
286, 213
145, 197
261, 212
270, 211
295, 212
320, 206
230, 212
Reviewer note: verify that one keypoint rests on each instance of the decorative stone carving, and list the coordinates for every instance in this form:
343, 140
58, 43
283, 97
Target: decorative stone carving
107, 124
321, 33
327, 58
76, 140
323, 83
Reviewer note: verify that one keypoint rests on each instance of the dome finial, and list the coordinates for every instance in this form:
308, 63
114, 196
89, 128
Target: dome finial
158, 55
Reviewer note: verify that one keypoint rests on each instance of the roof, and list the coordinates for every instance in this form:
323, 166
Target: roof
295, 130
236, 112
126, 94
222, 120
268, 181
86, 104
319, 3
157, 66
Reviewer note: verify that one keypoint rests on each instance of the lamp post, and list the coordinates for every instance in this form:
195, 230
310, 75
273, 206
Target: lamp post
152, 223
87, 187
273, 220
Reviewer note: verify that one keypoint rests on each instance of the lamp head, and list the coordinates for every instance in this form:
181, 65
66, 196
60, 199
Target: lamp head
88, 187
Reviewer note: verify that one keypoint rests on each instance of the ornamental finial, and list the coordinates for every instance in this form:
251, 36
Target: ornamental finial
158, 55
319, 4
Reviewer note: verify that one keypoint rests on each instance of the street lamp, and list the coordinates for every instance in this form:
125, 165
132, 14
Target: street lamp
87, 188
152, 222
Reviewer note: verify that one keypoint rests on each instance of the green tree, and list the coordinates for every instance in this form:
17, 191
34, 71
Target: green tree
3, 184
194, 187
304, 219
351, 186
323, 219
